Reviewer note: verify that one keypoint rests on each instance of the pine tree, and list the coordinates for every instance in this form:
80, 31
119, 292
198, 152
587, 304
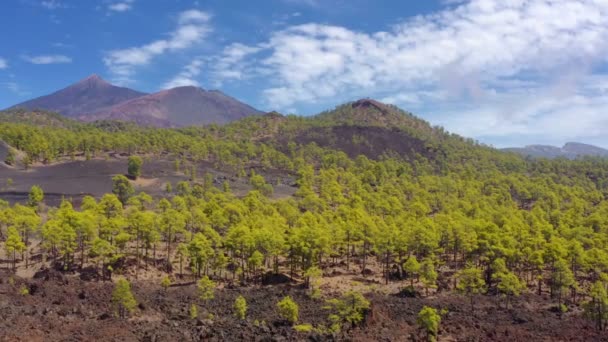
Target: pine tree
36, 196
134, 166
350, 308
470, 283
240, 307
428, 274
122, 298
205, 288
13, 245
429, 320
122, 188
412, 268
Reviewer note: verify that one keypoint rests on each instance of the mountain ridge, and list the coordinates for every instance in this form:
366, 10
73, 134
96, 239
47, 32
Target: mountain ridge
570, 150
93, 98
180, 106
89, 94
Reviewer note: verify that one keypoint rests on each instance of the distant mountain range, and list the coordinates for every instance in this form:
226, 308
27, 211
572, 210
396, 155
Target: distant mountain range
95, 99
570, 150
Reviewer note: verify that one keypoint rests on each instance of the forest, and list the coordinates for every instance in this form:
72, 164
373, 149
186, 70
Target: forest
379, 193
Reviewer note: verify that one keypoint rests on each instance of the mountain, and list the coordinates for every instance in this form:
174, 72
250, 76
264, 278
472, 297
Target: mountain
369, 112
181, 106
94, 99
88, 95
570, 150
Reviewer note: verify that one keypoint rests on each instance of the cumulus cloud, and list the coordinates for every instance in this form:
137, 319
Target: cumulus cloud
52, 4
192, 27
480, 52
121, 6
534, 114
47, 59
229, 65
187, 76
3, 63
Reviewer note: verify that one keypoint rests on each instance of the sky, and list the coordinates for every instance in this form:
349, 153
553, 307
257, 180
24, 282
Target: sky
505, 72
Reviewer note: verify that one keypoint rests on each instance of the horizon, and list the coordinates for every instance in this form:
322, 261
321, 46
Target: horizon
562, 145
481, 69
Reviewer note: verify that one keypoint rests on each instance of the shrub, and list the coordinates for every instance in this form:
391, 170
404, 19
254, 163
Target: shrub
305, 328
240, 307
134, 166
288, 309
193, 311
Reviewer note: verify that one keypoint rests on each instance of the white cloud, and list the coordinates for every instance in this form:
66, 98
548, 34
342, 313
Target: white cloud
3, 63
193, 16
480, 52
193, 26
52, 4
533, 116
122, 6
234, 64
187, 76
48, 59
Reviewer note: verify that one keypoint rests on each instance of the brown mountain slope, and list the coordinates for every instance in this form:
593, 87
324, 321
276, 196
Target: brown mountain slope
86, 96
181, 106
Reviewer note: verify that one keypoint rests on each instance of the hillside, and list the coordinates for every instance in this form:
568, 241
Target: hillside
86, 96
36, 118
360, 219
182, 106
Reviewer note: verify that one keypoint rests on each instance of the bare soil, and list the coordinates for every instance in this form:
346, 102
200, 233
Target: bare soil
63, 307
75, 179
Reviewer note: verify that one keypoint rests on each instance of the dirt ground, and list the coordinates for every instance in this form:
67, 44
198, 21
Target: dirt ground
75, 179
64, 307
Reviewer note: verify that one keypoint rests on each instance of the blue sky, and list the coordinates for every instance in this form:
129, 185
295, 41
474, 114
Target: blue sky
506, 72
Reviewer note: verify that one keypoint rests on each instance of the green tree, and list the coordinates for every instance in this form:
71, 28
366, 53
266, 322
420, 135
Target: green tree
288, 309
122, 298
200, 252
312, 276
597, 308
259, 183
470, 283
165, 283
428, 274
349, 308
412, 268
122, 188
240, 307
205, 288
428, 320
13, 245
509, 285
102, 251
134, 166
36, 196
172, 223
561, 279
255, 262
